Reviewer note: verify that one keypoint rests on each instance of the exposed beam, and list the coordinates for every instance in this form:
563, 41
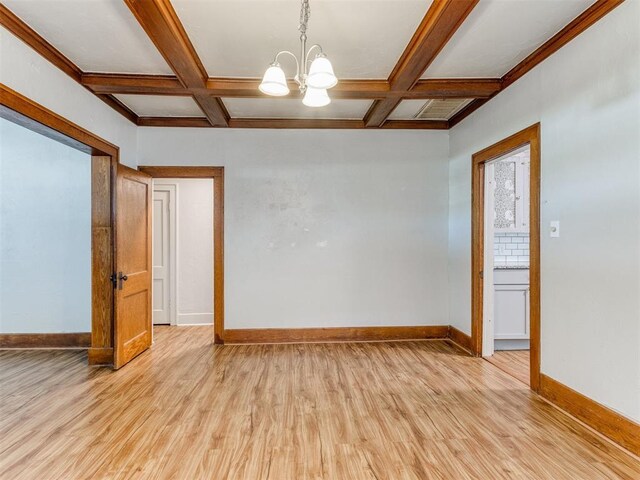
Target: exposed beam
583, 21
295, 123
380, 111
416, 124
467, 110
331, 123
248, 87
169, 36
578, 25
346, 88
119, 107
29, 36
439, 24
159, 20
110, 83
192, 122
454, 88
437, 27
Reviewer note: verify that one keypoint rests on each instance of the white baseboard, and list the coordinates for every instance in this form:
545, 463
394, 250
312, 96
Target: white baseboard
194, 319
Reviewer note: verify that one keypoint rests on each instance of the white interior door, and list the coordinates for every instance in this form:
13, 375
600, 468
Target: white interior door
164, 255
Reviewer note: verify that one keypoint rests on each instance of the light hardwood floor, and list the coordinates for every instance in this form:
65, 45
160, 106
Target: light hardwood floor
190, 410
513, 362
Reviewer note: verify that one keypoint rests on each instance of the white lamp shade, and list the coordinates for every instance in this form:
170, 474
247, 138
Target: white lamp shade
274, 82
321, 74
316, 97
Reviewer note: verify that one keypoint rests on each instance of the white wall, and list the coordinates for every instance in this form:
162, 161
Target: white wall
45, 234
25, 71
587, 98
325, 228
194, 249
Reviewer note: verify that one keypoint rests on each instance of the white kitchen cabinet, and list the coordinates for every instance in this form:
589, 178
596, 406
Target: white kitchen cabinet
511, 309
511, 194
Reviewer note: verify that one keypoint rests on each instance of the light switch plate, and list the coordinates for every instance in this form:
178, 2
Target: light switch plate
554, 228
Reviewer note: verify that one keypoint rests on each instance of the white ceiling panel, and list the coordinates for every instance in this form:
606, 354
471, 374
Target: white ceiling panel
293, 108
407, 109
161, 106
498, 34
239, 38
97, 35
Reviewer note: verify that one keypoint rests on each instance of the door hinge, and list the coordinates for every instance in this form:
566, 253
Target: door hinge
481, 273
114, 280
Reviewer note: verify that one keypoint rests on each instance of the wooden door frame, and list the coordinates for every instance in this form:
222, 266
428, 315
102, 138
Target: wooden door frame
104, 157
529, 136
217, 174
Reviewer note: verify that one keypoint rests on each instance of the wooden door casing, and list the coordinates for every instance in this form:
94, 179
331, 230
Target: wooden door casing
133, 307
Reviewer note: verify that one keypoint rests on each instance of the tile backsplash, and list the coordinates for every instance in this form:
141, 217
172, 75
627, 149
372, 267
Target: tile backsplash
511, 247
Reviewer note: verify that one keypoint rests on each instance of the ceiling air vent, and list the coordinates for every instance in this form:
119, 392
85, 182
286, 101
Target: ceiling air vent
442, 108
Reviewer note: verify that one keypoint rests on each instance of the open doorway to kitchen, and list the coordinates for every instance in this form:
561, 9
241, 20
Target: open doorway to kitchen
505, 257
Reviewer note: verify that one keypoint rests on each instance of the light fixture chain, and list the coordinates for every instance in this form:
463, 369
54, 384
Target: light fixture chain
305, 12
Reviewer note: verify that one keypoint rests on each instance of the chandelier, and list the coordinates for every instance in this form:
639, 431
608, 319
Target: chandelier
314, 82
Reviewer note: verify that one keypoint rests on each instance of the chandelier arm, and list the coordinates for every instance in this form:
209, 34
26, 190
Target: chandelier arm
306, 58
275, 61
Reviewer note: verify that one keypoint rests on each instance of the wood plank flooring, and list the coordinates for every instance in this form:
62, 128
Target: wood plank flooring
513, 362
188, 410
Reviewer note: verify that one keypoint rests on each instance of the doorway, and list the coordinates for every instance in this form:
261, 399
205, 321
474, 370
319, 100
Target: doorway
506, 255
22, 111
183, 251
190, 185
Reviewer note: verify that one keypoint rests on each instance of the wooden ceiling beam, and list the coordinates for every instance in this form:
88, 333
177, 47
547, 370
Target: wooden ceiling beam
416, 124
119, 107
163, 26
190, 122
29, 36
583, 21
290, 123
467, 110
439, 24
160, 21
346, 88
134, 84
578, 25
110, 83
454, 88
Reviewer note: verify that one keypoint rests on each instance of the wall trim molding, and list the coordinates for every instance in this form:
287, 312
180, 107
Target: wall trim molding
461, 339
609, 423
334, 334
45, 340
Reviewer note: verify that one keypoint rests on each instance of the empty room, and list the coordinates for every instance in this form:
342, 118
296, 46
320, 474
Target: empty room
319, 239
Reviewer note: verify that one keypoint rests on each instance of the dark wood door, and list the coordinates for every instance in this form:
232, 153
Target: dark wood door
132, 325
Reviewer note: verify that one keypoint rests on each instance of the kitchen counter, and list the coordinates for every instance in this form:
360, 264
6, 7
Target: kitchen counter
511, 266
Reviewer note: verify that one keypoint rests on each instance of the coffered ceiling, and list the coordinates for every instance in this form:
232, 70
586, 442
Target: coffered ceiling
199, 63
498, 34
251, 32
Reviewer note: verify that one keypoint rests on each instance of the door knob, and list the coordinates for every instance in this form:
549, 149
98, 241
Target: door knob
121, 278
